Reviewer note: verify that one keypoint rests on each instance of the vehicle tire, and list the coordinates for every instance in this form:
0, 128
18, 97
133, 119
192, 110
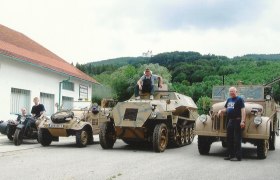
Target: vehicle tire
10, 132
204, 145
262, 148
18, 137
160, 137
107, 135
82, 138
191, 135
44, 137
272, 141
224, 144
10, 137
90, 138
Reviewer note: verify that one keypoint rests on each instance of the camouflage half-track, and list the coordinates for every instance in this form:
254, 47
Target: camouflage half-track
261, 126
168, 118
82, 121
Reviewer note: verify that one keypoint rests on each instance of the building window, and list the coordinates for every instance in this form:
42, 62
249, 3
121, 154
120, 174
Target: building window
67, 102
68, 85
48, 101
20, 98
83, 92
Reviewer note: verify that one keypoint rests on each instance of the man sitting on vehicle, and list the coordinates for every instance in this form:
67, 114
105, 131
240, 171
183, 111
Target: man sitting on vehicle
38, 109
23, 114
146, 84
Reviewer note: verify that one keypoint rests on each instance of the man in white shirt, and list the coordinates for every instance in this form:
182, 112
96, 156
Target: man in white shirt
146, 84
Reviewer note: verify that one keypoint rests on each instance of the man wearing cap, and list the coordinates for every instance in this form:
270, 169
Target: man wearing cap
146, 84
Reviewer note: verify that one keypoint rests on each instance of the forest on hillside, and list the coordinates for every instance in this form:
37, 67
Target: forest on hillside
189, 73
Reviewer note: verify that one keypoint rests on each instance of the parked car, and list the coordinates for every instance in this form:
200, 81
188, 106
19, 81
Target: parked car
82, 121
261, 126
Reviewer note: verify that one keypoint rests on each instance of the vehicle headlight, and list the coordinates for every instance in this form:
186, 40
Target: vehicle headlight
258, 120
203, 118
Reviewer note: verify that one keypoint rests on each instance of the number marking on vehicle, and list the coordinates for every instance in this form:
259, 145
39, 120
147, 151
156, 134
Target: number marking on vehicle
56, 126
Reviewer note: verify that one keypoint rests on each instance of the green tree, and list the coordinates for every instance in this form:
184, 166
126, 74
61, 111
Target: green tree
122, 81
204, 104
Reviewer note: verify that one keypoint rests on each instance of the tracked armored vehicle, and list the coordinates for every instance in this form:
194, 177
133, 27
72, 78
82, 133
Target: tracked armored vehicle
167, 119
261, 125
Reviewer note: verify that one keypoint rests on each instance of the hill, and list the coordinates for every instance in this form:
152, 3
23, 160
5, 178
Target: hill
121, 61
190, 72
260, 57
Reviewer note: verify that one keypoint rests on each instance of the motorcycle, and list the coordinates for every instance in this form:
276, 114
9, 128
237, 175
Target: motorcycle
26, 129
9, 127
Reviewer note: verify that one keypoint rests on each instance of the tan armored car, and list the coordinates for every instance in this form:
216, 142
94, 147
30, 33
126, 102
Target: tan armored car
261, 124
82, 121
168, 118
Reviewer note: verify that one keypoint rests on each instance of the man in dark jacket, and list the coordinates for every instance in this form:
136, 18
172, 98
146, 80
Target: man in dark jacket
235, 110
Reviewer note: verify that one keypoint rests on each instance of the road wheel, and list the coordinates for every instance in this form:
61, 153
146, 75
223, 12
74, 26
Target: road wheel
107, 135
272, 141
183, 136
160, 137
44, 137
224, 144
174, 138
82, 138
18, 137
262, 148
191, 135
204, 145
180, 137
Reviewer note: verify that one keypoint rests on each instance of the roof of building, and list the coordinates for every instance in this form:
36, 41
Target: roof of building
16, 45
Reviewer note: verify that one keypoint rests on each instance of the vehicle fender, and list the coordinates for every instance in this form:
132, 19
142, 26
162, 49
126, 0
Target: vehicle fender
206, 126
261, 131
82, 125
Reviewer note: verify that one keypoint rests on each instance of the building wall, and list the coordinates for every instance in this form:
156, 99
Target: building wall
21, 75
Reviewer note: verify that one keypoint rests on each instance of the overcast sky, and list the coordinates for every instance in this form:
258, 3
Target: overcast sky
91, 30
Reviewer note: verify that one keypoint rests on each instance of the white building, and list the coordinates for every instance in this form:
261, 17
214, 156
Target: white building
28, 70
